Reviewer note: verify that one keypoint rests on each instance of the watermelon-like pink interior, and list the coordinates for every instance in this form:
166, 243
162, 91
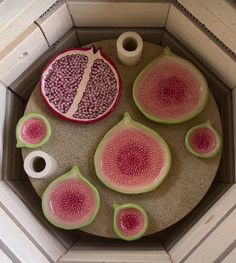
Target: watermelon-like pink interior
33, 131
137, 162
130, 221
169, 90
81, 85
202, 140
71, 202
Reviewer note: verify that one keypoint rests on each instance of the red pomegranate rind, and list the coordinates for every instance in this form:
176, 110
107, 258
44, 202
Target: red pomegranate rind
130, 221
203, 140
70, 202
81, 85
33, 131
132, 158
170, 89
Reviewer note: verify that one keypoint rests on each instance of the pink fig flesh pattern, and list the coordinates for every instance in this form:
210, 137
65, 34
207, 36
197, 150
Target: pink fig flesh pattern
71, 202
137, 161
203, 140
33, 131
100, 92
63, 79
169, 91
130, 221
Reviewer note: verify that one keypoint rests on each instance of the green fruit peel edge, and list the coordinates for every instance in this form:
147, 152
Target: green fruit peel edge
26, 117
127, 120
206, 124
72, 173
117, 208
167, 53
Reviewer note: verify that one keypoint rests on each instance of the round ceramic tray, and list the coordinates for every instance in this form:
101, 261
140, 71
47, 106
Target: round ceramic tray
189, 178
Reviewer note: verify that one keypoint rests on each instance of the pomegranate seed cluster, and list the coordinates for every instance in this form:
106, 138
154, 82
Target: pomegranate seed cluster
100, 91
63, 79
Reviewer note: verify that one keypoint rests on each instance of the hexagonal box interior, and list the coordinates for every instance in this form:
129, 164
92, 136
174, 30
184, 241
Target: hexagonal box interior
189, 36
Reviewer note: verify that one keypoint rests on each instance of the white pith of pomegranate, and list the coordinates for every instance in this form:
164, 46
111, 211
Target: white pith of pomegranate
81, 85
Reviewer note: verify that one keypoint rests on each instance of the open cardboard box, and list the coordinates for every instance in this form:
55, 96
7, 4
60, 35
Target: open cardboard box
31, 33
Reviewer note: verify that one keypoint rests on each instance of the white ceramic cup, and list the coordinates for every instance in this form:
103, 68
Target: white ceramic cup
129, 48
39, 164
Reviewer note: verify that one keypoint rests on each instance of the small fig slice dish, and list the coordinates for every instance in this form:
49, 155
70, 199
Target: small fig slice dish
70, 201
203, 140
170, 89
132, 158
32, 131
81, 85
130, 221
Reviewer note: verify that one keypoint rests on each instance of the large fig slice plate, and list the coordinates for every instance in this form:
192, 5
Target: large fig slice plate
170, 89
131, 158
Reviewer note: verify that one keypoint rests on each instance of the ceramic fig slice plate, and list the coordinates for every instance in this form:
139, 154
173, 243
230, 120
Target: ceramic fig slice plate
170, 89
132, 158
